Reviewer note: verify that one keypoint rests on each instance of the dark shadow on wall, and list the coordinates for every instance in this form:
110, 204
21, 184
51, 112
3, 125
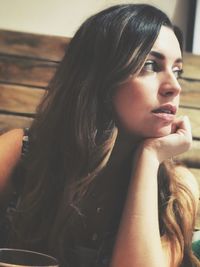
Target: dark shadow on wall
187, 9
190, 25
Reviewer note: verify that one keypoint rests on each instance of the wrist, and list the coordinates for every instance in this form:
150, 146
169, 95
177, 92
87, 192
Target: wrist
152, 156
148, 153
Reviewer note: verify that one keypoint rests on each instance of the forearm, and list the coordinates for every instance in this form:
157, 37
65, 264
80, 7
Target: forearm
138, 242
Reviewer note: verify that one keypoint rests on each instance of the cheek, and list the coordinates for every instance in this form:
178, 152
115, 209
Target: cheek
128, 96
129, 104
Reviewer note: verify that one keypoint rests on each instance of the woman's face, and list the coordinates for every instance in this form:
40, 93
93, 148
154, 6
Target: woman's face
146, 104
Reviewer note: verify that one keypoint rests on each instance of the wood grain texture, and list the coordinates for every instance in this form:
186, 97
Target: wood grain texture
12, 121
40, 46
26, 71
194, 116
191, 66
190, 94
19, 99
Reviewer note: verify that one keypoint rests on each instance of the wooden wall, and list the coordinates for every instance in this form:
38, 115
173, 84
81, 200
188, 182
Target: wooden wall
28, 62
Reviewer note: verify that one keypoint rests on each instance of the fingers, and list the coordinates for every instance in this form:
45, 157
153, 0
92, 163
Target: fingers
177, 124
182, 123
179, 141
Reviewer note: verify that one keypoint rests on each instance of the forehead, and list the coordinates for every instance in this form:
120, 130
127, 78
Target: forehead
167, 44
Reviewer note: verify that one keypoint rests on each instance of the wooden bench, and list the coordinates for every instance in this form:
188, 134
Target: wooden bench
28, 62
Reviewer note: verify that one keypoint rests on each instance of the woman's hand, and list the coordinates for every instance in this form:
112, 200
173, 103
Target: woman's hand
179, 141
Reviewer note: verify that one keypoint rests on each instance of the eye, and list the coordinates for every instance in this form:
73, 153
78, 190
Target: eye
177, 72
150, 66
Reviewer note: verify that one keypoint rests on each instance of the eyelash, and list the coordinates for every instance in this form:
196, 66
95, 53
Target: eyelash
179, 73
153, 66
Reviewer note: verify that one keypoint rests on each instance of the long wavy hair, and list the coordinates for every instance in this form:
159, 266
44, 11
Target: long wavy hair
74, 133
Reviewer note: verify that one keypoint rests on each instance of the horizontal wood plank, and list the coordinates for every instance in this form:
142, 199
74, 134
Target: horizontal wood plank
194, 116
19, 99
40, 46
26, 71
10, 122
190, 94
191, 66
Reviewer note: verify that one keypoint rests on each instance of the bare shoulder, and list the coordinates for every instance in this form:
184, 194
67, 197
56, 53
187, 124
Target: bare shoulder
188, 179
11, 142
10, 152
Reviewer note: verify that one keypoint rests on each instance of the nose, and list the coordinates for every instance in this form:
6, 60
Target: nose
169, 85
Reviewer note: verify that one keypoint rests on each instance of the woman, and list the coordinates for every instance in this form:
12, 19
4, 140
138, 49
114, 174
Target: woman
96, 185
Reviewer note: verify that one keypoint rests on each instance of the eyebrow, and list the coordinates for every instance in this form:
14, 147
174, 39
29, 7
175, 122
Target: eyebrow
162, 57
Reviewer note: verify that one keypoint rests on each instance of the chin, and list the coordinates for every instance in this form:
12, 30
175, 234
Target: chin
148, 132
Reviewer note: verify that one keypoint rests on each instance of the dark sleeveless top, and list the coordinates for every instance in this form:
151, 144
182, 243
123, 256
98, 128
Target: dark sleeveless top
98, 251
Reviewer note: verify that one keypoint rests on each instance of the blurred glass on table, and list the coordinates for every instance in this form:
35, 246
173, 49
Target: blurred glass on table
25, 258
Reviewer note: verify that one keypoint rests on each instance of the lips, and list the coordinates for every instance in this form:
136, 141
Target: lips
165, 109
165, 113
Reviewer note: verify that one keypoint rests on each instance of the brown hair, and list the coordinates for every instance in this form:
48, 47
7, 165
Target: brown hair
177, 213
